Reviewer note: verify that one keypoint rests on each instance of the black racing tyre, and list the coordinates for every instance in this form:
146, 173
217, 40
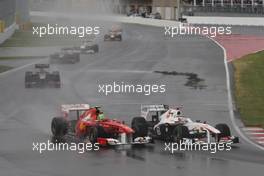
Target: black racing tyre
106, 37
140, 126
155, 119
29, 73
78, 58
96, 48
58, 85
224, 129
28, 79
93, 135
56, 77
27, 85
59, 127
180, 132
165, 131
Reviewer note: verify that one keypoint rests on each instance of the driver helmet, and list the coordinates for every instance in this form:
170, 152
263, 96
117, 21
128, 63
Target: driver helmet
101, 116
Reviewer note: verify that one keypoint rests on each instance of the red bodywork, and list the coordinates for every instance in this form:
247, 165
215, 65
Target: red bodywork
89, 119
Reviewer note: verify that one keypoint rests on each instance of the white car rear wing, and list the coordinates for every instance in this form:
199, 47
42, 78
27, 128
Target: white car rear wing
160, 107
66, 108
145, 109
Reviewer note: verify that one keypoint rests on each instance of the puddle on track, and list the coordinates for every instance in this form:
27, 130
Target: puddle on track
192, 80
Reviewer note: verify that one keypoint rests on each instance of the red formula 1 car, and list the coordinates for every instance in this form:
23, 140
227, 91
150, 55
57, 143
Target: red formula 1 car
89, 124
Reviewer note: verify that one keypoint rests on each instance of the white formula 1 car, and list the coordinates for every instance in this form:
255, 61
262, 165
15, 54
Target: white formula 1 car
169, 124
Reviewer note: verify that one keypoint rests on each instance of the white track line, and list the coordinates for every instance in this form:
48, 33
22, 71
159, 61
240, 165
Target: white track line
230, 100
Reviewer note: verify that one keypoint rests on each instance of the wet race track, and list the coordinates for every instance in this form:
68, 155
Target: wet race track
192, 69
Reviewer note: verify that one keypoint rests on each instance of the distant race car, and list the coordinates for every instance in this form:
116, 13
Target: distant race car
89, 48
114, 34
183, 20
89, 124
156, 15
169, 124
65, 56
42, 78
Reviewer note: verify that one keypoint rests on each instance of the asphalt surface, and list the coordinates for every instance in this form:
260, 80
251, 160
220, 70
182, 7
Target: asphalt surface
25, 114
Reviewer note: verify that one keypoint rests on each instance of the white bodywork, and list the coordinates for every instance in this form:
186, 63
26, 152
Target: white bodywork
42, 75
175, 116
87, 45
90, 51
125, 140
172, 116
66, 108
146, 109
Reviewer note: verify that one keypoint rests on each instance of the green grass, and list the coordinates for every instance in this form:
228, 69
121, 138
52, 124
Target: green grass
4, 68
249, 88
27, 39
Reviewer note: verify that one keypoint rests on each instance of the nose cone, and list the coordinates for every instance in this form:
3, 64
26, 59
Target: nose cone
127, 129
124, 128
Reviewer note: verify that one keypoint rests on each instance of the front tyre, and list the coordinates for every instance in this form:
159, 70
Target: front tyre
140, 127
93, 135
224, 130
180, 132
96, 48
120, 38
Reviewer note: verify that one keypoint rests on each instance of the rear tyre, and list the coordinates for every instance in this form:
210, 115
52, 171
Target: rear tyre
93, 135
140, 126
96, 49
59, 127
106, 38
224, 129
56, 78
28, 79
180, 132
27, 85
